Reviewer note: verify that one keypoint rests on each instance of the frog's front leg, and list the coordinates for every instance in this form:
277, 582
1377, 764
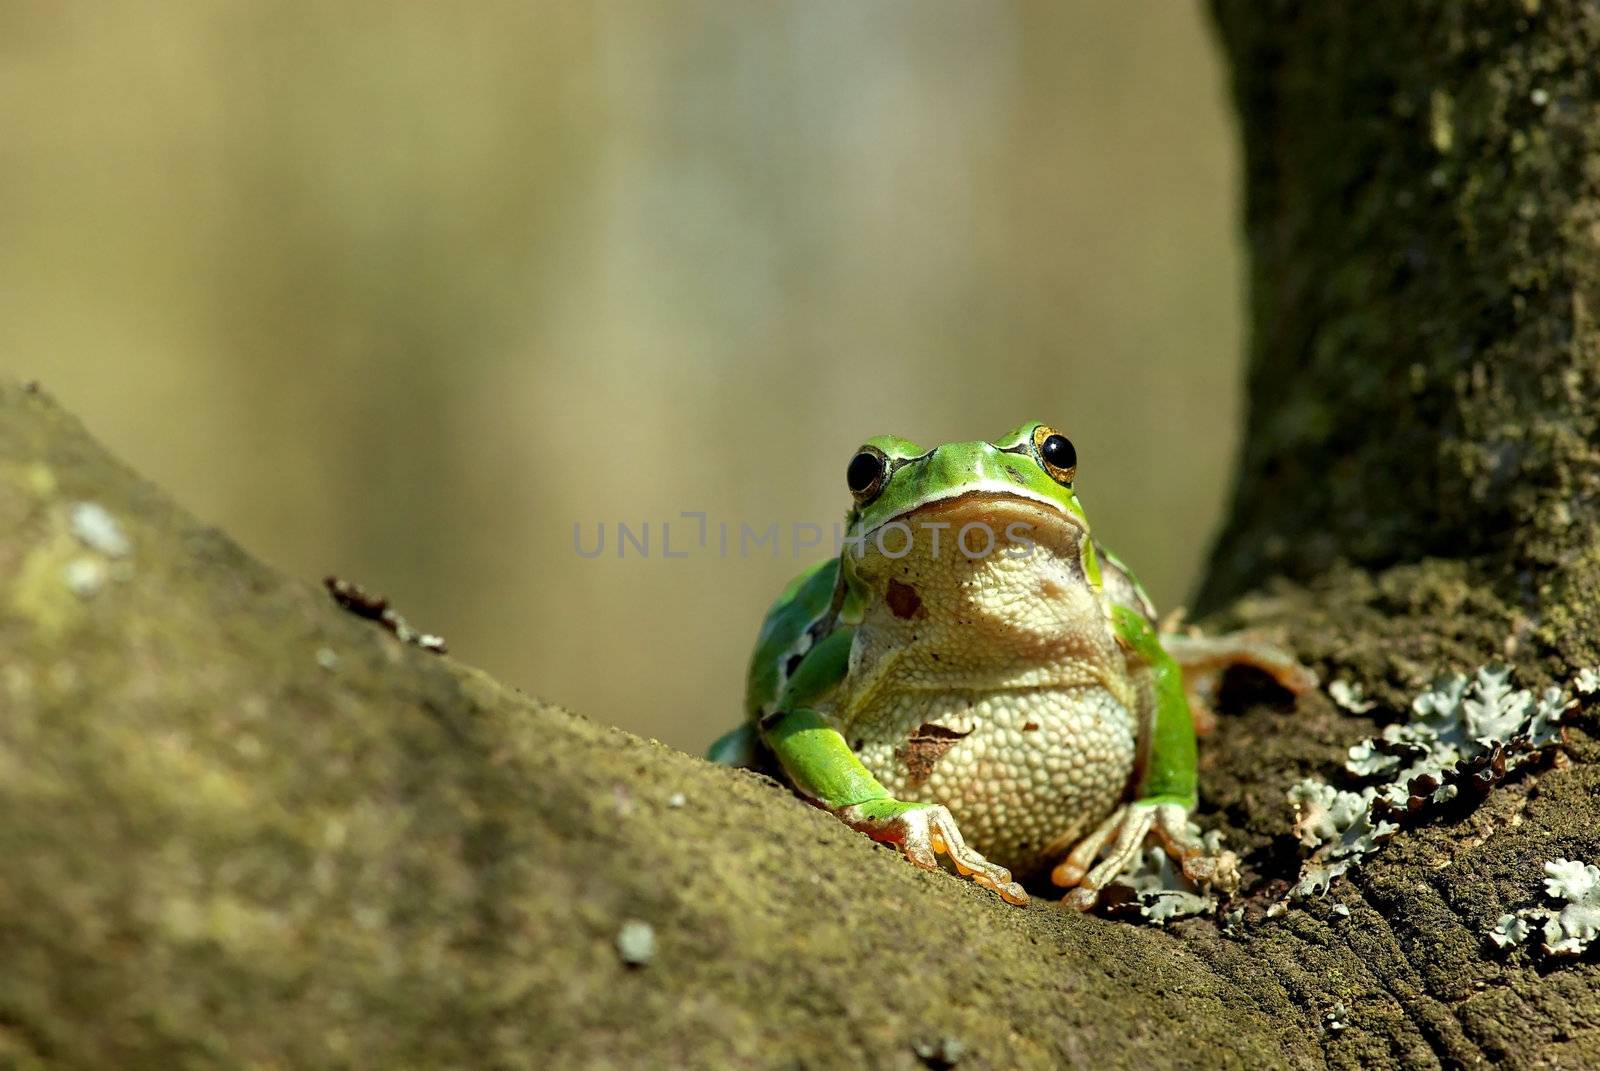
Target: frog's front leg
821, 765
1166, 793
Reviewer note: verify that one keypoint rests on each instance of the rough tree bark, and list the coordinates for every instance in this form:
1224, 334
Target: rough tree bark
242, 828
1424, 219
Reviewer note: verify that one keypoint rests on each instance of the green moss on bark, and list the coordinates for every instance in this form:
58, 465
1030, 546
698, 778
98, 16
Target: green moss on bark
244, 828
222, 852
1423, 213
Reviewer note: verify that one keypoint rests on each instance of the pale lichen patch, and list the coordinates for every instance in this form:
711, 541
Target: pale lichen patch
1587, 682
1160, 891
97, 529
85, 576
636, 943
1351, 697
1461, 734
1567, 929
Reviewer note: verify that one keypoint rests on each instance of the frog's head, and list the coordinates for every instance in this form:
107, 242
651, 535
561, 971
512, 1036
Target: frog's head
1016, 489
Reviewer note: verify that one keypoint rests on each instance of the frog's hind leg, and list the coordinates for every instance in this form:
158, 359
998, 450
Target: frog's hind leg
1204, 659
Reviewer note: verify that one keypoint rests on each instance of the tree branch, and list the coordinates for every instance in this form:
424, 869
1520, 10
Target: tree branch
240, 826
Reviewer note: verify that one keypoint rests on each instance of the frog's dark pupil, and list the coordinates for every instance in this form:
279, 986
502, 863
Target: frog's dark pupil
1059, 451
865, 468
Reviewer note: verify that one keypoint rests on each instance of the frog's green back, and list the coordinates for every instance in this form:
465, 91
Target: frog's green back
806, 598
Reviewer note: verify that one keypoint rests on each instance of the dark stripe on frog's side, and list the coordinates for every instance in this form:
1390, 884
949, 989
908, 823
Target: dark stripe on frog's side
922, 475
793, 626
821, 669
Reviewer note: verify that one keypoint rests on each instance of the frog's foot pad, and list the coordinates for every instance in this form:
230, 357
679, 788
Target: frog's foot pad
923, 832
1126, 832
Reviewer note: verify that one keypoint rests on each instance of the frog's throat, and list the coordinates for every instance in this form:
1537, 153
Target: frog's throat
1049, 522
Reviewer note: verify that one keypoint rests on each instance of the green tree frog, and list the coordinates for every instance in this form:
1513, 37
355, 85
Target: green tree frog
974, 677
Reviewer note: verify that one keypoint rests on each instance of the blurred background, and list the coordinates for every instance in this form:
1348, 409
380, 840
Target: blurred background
404, 292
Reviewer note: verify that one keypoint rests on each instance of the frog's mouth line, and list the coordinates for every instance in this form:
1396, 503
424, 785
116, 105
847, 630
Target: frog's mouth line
996, 509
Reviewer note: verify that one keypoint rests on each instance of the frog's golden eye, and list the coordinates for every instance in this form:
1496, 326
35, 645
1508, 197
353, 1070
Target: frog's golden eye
866, 472
1056, 453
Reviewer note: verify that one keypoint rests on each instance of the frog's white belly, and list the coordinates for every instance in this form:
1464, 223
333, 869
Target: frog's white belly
1026, 772
994, 686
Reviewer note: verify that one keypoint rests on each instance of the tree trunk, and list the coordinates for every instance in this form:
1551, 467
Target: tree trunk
1423, 212
242, 827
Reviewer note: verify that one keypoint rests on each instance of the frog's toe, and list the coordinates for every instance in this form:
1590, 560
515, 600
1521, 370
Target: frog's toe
923, 832
1126, 829
947, 840
1071, 870
1202, 864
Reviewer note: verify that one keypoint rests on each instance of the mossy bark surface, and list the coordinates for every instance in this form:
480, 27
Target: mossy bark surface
242, 828
1423, 209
